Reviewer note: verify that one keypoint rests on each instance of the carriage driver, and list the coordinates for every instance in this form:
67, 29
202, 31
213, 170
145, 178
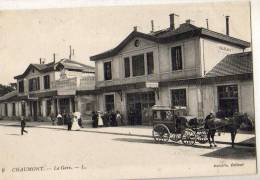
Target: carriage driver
209, 117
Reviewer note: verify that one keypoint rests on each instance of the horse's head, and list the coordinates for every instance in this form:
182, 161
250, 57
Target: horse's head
243, 119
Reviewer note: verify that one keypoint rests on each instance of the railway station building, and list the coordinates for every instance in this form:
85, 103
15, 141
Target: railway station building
51, 88
187, 67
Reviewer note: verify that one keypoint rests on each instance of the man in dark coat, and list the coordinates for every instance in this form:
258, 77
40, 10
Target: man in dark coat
69, 120
94, 119
23, 124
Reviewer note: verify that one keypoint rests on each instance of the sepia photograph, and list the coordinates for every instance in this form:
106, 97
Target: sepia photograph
127, 91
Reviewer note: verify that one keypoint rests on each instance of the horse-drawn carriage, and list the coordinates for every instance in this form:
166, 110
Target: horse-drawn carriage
174, 124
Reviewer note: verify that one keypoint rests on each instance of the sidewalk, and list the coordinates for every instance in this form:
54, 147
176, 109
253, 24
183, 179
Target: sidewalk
243, 139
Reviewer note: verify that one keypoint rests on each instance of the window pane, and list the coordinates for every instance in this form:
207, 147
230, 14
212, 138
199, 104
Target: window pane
107, 71
176, 58
21, 86
127, 67
178, 97
46, 82
228, 100
150, 65
138, 65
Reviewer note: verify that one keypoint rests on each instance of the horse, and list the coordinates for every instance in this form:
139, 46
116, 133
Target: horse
231, 125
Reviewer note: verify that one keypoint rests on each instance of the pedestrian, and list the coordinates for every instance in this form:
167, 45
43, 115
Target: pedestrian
100, 120
105, 119
113, 121
52, 119
23, 124
94, 119
80, 122
119, 118
59, 119
68, 120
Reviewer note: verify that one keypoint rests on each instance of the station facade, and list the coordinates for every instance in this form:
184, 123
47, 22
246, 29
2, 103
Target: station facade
49, 89
188, 67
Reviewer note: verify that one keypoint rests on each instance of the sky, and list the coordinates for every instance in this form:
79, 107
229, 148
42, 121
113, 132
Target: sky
27, 35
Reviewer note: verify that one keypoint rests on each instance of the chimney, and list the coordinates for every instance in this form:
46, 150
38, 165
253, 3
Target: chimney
188, 21
152, 26
172, 23
207, 22
40, 60
227, 25
135, 28
54, 57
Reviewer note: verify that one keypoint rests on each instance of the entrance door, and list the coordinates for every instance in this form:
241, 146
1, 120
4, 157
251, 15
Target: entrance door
138, 105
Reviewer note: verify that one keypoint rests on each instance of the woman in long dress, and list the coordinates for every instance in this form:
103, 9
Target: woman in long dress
75, 124
100, 120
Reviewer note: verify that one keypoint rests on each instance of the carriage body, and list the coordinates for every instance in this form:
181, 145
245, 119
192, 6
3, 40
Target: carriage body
168, 117
173, 123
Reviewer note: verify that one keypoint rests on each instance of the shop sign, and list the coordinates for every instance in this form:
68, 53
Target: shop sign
152, 84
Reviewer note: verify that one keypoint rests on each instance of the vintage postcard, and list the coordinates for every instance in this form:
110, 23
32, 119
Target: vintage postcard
127, 92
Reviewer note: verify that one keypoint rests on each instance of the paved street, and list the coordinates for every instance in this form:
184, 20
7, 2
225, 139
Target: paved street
99, 153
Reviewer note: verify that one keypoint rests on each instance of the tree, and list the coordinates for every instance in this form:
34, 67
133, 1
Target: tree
5, 89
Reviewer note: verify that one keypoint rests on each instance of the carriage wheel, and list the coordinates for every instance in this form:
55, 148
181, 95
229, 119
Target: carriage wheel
161, 133
188, 137
175, 137
202, 136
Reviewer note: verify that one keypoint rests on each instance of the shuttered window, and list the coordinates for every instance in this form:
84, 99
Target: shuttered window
150, 63
107, 71
176, 55
34, 84
47, 82
127, 66
138, 65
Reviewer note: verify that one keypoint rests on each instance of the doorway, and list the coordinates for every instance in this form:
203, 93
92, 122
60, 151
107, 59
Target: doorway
138, 106
34, 110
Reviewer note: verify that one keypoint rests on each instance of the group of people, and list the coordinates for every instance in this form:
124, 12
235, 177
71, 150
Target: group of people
73, 120
106, 119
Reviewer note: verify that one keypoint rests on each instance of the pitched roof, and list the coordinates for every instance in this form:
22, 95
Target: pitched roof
8, 96
74, 65
184, 31
233, 64
66, 63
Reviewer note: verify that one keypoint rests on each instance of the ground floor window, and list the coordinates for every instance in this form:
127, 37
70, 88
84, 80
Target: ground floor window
178, 97
228, 100
109, 102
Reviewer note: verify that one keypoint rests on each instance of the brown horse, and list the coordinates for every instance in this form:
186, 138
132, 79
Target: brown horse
231, 125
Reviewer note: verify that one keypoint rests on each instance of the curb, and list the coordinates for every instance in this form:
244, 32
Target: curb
123, 134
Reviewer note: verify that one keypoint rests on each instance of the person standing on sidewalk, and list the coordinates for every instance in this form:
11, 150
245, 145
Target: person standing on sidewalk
23, 124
